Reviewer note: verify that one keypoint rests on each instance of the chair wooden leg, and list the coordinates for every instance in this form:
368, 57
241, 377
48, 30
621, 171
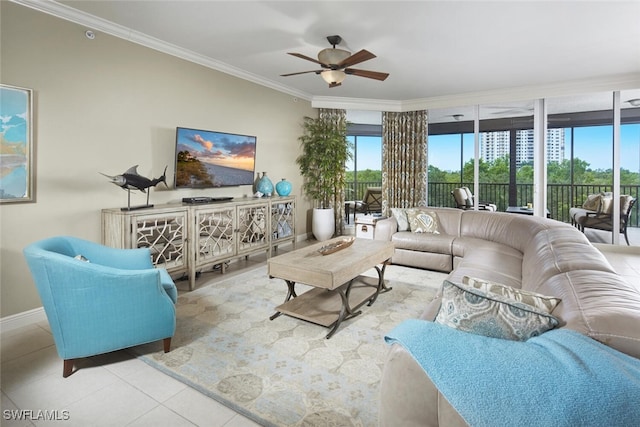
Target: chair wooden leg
167, 344
67, 368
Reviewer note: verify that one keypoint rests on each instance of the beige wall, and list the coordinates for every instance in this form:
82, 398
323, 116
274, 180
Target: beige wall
104, 105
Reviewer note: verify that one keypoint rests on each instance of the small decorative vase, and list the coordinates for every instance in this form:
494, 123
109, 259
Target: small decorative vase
265, 186
283, 187
256, 182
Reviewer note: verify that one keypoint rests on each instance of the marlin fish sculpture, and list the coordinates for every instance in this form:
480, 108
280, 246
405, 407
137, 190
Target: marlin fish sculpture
132, 180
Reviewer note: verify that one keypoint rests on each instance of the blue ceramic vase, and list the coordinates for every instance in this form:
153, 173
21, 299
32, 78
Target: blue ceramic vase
265, 186
283, 187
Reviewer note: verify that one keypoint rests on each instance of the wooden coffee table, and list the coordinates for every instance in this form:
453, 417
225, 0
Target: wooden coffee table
338, 287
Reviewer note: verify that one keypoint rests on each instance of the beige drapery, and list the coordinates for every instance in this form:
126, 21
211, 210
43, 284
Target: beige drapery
339, 118
404, 160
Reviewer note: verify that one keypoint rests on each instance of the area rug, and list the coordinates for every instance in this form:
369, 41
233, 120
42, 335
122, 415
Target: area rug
284, 372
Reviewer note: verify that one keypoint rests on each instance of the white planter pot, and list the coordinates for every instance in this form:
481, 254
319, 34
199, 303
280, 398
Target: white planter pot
323, 224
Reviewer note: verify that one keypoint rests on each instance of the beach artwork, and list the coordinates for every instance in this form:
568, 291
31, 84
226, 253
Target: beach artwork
16, 174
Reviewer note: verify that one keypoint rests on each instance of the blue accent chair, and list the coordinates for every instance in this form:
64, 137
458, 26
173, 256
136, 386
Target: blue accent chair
100, 299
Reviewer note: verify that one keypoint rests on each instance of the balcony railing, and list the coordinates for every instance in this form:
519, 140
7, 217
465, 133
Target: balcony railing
560, 197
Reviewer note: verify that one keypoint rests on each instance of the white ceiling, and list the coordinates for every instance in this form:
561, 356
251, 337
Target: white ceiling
432, 49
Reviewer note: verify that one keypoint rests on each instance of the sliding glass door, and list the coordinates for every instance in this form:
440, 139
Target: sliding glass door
578, 149
365, 168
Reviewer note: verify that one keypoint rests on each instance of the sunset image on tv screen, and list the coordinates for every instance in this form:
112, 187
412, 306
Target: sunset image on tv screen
207, 159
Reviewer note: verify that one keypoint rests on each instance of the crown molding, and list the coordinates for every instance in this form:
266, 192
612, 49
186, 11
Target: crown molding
567, 88
67, 13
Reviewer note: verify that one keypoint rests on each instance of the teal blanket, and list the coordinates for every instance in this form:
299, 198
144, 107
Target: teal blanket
560, 378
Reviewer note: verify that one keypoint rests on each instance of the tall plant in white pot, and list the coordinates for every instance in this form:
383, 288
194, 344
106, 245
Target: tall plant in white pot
325, 151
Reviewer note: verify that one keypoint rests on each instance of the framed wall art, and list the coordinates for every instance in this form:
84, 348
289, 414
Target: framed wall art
16, 145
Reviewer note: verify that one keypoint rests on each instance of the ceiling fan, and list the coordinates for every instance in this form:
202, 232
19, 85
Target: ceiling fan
336, 64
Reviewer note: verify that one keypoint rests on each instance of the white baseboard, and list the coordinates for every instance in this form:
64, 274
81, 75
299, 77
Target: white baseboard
25, 318
302, 238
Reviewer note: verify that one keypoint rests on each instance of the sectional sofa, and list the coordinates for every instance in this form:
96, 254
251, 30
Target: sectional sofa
522, 252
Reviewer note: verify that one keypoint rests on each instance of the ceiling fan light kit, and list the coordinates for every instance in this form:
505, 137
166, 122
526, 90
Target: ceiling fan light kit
333, 77
335, 63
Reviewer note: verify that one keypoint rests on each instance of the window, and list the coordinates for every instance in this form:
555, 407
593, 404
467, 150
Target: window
365, 168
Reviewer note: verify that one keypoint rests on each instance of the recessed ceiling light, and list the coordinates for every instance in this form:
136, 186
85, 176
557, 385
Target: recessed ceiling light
635, 102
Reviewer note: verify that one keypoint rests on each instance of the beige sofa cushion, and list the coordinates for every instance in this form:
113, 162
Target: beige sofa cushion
598, 304
423, 242
556, 251
501, 227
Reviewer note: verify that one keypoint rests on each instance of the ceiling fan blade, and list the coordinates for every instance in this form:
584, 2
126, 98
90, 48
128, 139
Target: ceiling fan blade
301, 72
308, 58
368, 74
356, 58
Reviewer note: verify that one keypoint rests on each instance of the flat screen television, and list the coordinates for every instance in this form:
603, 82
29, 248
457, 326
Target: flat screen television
208, 159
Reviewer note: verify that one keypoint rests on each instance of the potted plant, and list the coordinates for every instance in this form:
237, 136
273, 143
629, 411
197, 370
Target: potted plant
325, 151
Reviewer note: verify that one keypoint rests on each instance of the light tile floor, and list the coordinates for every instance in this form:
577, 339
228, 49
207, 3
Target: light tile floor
625, 260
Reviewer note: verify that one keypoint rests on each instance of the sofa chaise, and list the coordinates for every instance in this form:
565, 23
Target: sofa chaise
522, 252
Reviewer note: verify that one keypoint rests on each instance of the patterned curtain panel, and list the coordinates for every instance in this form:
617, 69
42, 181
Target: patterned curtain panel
404, 160
339, 118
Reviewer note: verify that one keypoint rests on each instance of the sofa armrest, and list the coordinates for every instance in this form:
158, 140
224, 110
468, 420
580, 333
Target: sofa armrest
408, 397
385, 228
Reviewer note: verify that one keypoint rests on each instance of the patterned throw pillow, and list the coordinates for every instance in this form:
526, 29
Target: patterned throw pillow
484, 313
538, 301
401, 217
422, 222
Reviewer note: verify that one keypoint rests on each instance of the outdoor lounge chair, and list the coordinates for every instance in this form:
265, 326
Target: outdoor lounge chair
370, 203
464, 200
596, 213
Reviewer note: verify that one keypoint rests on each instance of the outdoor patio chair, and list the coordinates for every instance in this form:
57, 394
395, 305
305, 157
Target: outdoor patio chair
597, 214
464, 200
370, 203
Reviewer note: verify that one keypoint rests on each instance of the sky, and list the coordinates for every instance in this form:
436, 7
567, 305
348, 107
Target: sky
590, 143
